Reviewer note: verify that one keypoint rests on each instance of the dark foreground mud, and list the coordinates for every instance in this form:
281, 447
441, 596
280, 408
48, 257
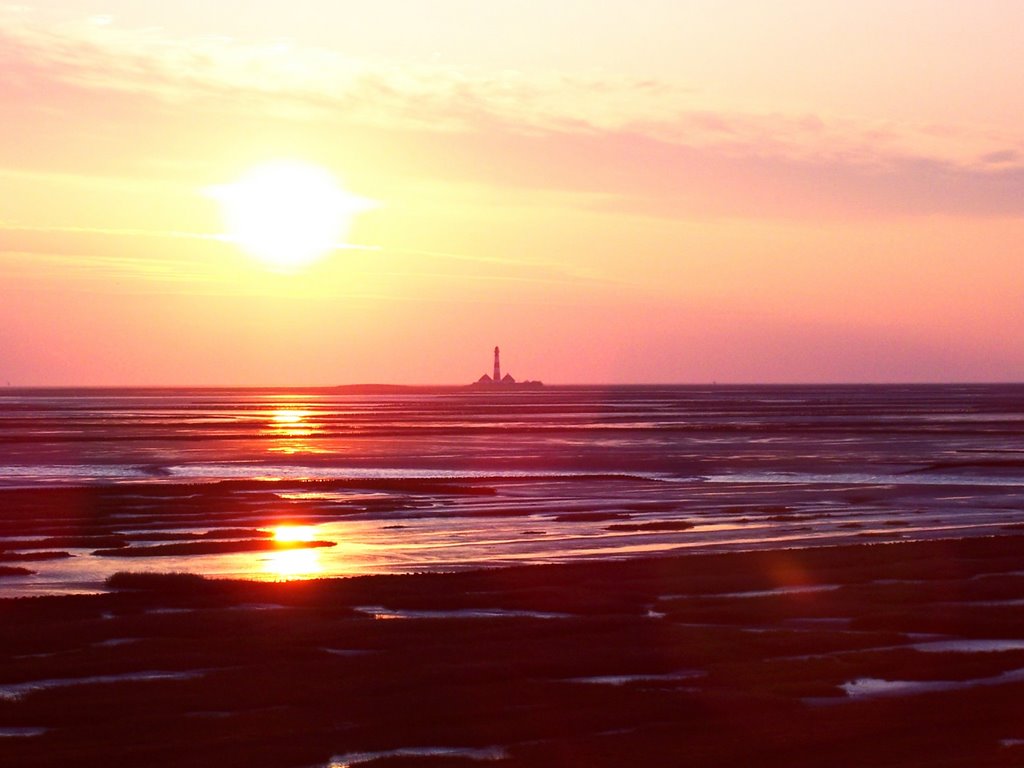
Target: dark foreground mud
907, 654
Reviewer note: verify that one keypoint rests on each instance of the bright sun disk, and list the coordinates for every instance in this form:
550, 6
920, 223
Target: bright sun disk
287, 214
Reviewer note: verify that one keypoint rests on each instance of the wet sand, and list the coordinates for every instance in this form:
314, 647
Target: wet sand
68, 540
898, 654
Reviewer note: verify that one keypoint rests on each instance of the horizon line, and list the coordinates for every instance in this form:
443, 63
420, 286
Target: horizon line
852, 383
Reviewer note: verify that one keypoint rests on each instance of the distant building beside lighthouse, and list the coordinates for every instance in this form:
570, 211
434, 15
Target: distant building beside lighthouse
497, 380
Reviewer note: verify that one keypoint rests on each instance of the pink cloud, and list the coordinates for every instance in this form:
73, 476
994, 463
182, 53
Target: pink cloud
117, 102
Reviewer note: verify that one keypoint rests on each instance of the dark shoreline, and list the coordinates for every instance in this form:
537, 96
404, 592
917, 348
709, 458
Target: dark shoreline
726, 660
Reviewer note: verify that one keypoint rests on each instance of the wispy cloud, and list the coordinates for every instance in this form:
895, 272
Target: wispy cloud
622, 145
11, 229
116, 260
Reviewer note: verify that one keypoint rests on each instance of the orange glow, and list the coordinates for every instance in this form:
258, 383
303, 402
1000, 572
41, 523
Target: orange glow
287, 214
290, 534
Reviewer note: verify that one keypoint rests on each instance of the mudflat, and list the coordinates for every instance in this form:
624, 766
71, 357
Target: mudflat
900, 654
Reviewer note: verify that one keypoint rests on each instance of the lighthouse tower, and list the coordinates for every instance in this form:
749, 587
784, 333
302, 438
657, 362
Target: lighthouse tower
498, 379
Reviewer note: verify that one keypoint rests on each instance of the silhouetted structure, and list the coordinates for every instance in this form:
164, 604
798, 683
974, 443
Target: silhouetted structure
497, 380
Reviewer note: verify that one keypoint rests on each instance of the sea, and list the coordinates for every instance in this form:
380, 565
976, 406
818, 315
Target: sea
400, 480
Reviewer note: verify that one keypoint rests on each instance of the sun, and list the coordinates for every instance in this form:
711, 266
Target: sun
287, 214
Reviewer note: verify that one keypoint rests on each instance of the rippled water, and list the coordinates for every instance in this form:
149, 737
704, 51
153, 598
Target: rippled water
569, 473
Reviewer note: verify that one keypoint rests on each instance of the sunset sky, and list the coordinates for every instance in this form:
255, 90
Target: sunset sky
644, 191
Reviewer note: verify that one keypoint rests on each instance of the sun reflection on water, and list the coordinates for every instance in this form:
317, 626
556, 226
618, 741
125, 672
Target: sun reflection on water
291, 533
292, 447
291, 422
299, 553
289, 426
290, 415
289, 564
291, 561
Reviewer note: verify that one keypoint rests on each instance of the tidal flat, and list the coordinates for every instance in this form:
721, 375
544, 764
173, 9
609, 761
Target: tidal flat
895, 654
706, 576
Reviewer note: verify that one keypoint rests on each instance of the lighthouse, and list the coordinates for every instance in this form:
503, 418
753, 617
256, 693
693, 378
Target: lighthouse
505, 381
